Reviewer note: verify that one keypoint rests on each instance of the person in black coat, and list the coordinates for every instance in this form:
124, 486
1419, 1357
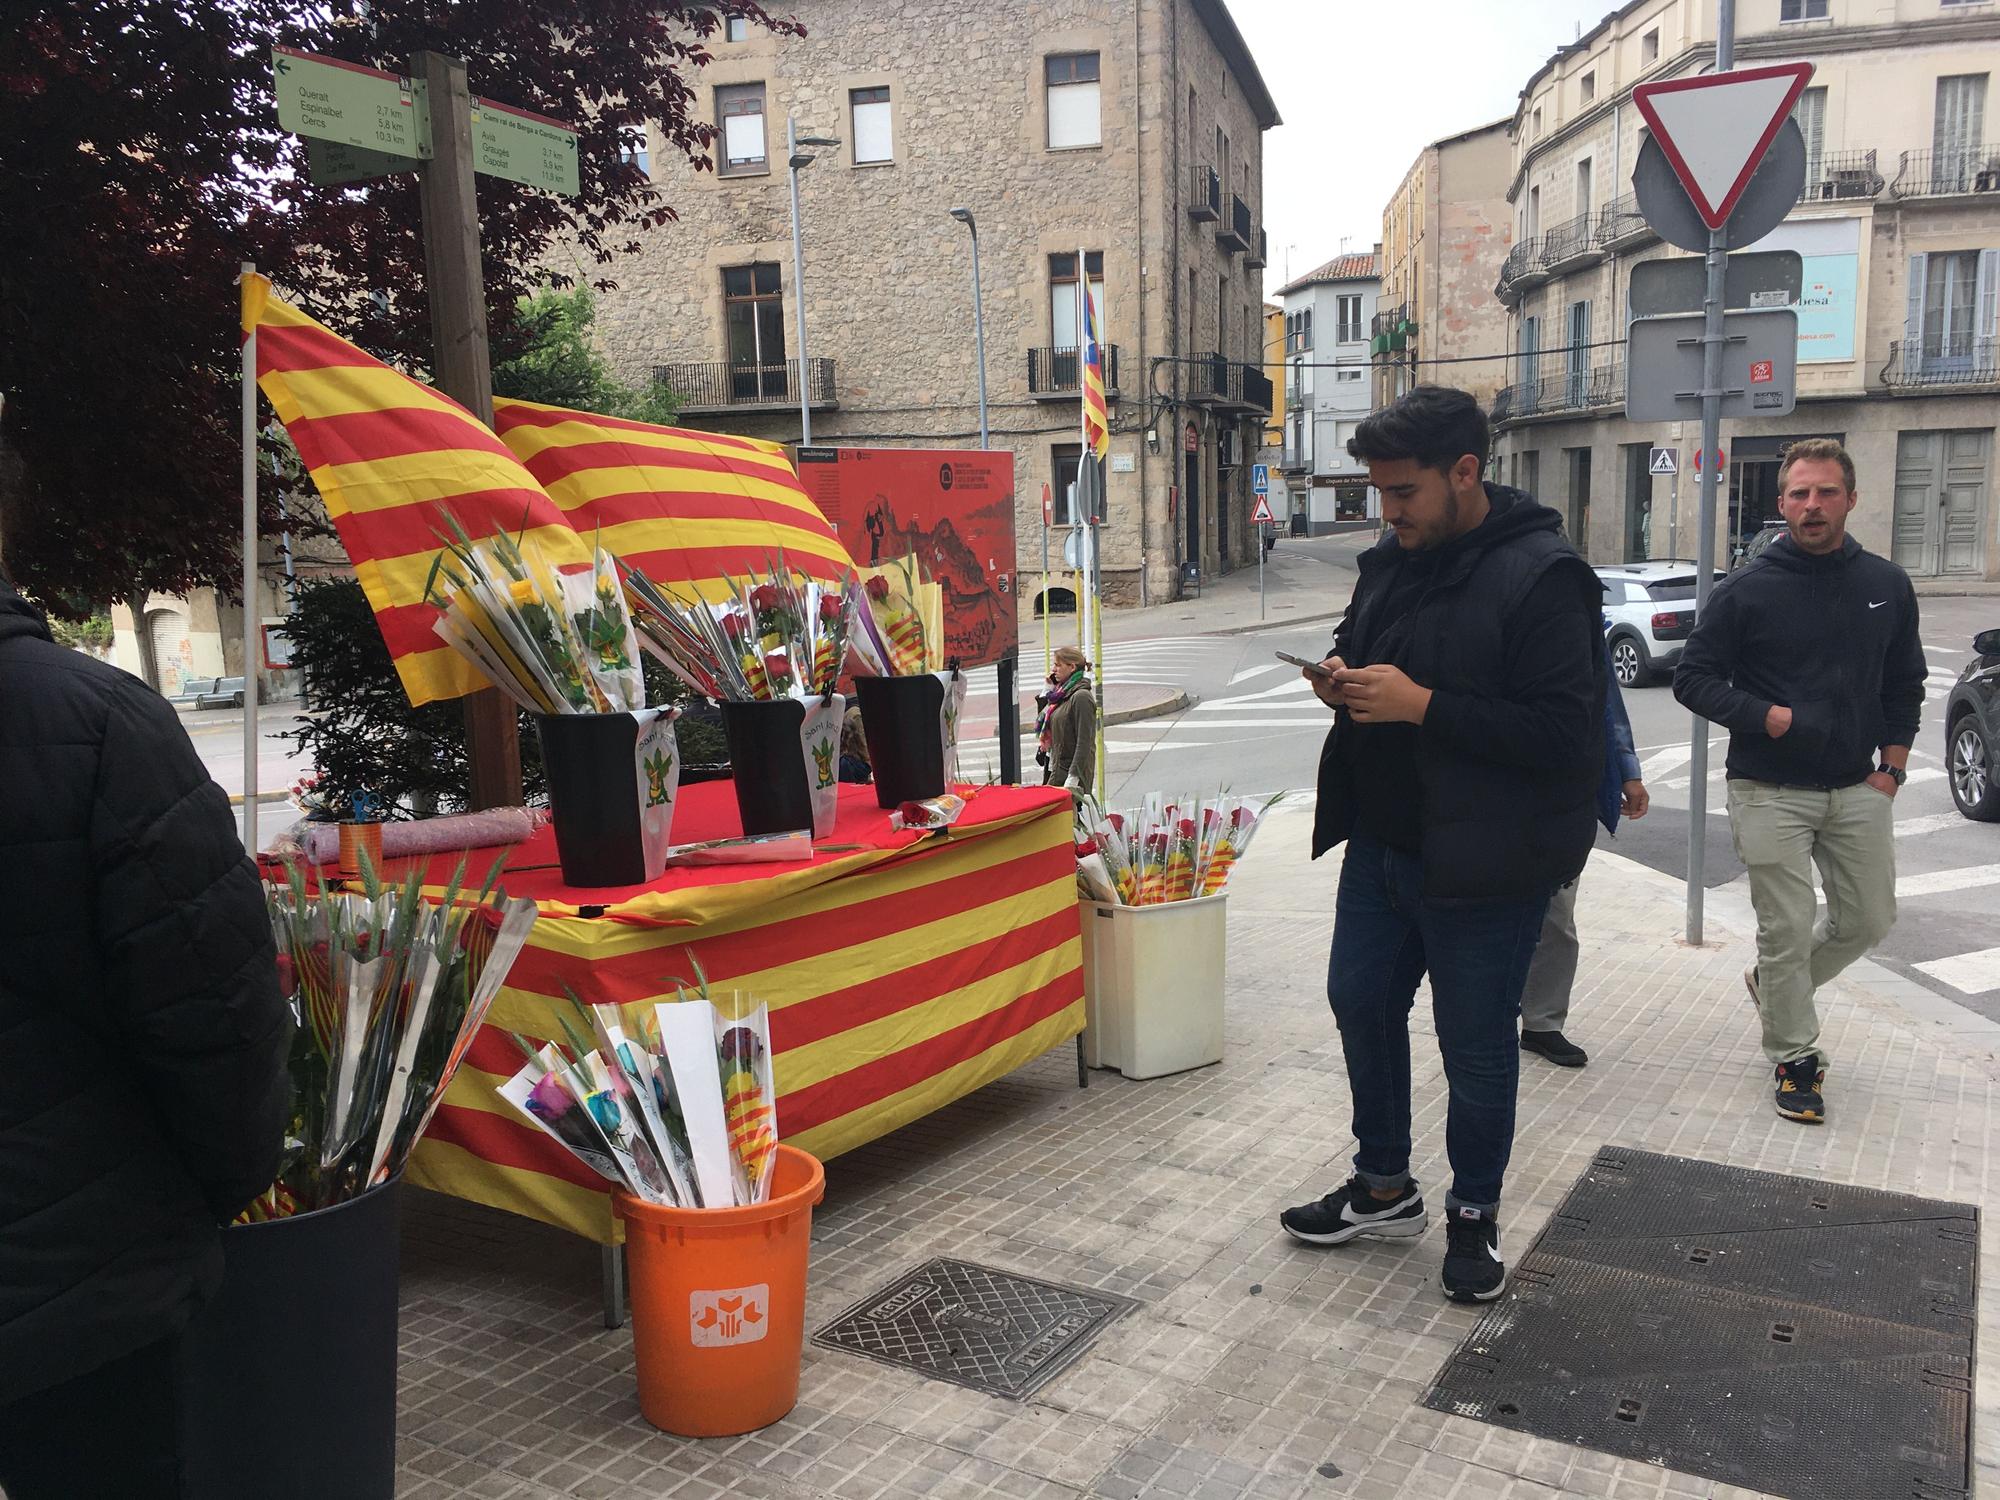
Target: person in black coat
1467, 681
143, 1042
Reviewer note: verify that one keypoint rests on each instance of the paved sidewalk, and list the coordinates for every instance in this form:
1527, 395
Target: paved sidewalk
1255, 1367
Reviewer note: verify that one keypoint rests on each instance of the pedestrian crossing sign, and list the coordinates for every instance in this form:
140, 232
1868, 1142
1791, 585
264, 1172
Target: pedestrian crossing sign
1260, 478
1260, 514
1664, 461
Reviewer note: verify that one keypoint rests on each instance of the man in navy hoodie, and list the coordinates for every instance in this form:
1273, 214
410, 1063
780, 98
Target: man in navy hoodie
1809, 655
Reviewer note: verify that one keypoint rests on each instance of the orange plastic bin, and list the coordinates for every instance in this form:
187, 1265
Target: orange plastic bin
719, 1304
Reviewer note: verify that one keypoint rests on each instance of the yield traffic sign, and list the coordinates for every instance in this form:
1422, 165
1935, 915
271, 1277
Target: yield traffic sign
1260, 513
1716, 129
1663, 461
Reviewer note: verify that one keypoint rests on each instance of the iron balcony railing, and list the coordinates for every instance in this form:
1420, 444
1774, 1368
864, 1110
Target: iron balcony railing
1553, 386
1386, 320
1948, 173
1620, 220
1059, 372
1942, 363
1568, 241
1840, 176
1233, 233
1257, 259
1216, 381
1523, 262
1205, 196
718, 385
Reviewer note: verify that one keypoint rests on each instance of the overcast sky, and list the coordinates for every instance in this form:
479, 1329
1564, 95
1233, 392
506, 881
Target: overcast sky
1363, 85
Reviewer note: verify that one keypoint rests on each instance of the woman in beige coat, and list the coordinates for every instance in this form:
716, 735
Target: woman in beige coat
1066, 728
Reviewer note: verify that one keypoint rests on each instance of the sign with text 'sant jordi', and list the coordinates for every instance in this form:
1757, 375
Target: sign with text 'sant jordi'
953, 507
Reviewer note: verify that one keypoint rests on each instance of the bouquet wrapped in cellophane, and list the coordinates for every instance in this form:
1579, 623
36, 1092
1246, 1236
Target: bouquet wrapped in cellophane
901, 616
672, 1103
1166, 849
389, 987
782, 635
556, 642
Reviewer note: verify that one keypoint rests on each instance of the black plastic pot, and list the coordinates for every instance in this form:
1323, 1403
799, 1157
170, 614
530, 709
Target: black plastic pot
594, 797
767, 761
289, 1375
902, 717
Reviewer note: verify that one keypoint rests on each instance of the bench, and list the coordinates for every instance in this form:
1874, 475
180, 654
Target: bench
210, 692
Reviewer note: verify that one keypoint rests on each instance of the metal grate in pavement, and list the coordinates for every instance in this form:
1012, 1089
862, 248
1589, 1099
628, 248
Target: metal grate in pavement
1797, 1337
992, 1331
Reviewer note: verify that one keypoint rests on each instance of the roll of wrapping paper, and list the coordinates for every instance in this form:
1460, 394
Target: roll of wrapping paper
479, 830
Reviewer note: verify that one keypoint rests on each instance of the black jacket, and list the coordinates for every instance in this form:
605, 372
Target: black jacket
1832, 638
142, 1035
1509, 756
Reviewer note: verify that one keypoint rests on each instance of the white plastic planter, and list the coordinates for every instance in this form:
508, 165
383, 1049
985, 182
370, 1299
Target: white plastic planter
1152, 979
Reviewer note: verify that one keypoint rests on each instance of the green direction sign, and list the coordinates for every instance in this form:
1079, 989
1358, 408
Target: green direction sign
523, 147
323, 98
330, 163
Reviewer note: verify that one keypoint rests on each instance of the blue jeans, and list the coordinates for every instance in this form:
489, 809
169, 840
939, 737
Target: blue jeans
1385, 938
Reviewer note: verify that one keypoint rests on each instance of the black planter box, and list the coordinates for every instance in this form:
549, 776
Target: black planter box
903, 719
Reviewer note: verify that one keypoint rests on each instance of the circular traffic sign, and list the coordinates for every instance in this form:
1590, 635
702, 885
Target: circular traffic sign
1772, 194
1721, 459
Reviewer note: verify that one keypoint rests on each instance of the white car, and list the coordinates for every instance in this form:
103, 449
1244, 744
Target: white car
1650, 607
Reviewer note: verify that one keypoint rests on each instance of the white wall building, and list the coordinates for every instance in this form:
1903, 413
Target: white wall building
1327, 316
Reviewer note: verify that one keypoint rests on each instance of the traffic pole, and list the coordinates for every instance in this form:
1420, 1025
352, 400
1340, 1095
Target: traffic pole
1710, 461
1674, 512
1261, 550
252, 631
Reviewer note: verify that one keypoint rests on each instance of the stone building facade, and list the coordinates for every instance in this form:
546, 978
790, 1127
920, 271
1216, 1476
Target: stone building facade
1898, 227
1125, 130
1445, 234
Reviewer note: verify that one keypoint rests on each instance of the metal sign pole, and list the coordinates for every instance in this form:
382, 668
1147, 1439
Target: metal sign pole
252, 631
1261, 550
1674, 515
1711, 464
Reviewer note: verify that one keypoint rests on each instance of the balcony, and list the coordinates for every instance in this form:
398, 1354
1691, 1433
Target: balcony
1840, 177
1940, 365
1391, 331
1570, 245
1227, 385
1233, 233
1057, 374
1552, 388
1294, 397
1621, 227
1958, 172
1520, 271
1205, 196
718, 385
1255, 260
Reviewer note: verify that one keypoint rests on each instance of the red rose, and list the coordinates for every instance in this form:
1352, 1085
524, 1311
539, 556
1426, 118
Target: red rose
732, 626
776, 666
764, 596
1185, 828
878, 587
1086, 848
829, 608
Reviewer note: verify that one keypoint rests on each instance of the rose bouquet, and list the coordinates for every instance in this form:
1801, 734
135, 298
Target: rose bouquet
1166, 849
782, 635
389, 987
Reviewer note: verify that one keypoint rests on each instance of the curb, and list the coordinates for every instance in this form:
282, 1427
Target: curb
1180, 700
263, 798
1331, 614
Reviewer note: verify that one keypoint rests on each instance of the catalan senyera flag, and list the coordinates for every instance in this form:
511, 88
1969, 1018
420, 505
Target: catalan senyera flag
686, 508
393, 458
1096, 415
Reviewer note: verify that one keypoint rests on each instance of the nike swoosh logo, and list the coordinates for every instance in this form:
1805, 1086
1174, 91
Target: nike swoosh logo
1494, 1251
1878, 606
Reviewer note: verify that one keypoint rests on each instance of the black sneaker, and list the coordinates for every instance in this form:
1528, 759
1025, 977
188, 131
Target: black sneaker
1799, 1096
1473, 1269
1556, 1047
1353, 1211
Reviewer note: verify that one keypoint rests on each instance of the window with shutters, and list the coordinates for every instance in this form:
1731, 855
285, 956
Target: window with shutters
754, 324
1533, 227
873, 142
1578, 366
1950, 328
1810, 113
1531, 348
1802, 10
1958, 133
1583, 188
739, 110
1072, 100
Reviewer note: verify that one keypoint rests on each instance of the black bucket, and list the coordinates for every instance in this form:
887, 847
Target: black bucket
594, 797
903, 719
767, 761
289, 1375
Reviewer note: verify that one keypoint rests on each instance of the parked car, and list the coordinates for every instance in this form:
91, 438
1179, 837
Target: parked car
1768, 533
1972, 732
1650, 607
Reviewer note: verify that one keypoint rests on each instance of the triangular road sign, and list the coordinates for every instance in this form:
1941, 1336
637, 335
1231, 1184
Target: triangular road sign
1716, 129
1260, 513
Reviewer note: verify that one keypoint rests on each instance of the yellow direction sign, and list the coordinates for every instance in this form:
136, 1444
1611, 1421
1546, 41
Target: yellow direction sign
326, 99
523, 147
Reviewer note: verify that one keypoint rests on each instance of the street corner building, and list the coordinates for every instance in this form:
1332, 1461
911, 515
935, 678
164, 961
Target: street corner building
1898, 228
1112, 148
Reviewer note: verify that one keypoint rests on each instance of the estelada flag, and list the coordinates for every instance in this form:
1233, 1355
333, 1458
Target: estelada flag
685, 508
392, 458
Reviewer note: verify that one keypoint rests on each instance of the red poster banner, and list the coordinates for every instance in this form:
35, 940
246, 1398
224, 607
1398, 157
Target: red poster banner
953, 507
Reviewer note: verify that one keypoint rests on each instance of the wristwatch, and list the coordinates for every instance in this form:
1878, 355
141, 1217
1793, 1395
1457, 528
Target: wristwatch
1895, 773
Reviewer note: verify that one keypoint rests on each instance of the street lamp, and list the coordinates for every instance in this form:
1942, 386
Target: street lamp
964, 216
795, 159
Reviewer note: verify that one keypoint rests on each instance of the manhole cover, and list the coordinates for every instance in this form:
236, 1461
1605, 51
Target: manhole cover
1801, 1338
974, 1326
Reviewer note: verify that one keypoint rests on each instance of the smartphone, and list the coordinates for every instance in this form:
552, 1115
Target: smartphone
1311, 666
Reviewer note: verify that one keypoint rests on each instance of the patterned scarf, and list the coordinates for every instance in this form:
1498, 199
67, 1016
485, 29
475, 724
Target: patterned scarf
1053, 700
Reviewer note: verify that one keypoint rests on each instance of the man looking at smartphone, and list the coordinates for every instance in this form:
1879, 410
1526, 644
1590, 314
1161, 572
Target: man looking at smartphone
1467, 683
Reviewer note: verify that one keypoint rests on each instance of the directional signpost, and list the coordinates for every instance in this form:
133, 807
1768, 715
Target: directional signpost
326, 99
1715, 133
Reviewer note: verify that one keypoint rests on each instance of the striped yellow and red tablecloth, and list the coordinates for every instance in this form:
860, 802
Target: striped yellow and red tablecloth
900, 977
